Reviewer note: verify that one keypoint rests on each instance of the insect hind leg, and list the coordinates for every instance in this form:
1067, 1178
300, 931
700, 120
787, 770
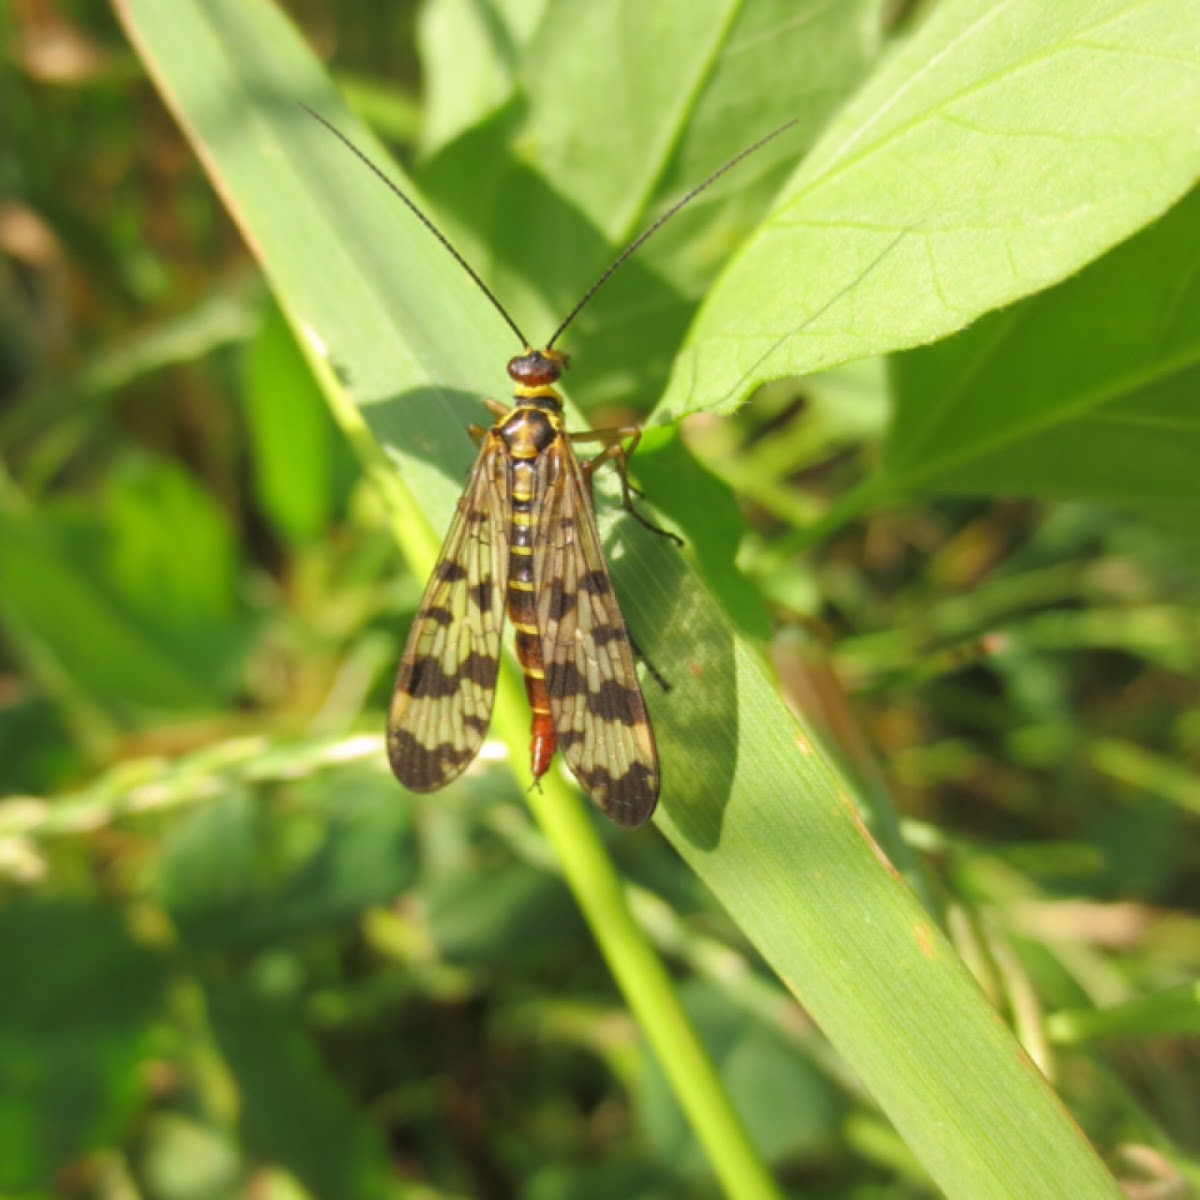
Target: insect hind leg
651, 669
614, 451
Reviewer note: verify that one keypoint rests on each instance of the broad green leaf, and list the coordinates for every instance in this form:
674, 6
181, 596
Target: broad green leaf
235, 875
403, 344
151, 509
1003, 147
782, 60
84, 590
479, 916
1087, 391
670, 99
208, 868
77, 1012
290, 1109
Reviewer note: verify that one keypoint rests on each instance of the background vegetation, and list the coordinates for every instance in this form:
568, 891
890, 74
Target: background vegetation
238, 960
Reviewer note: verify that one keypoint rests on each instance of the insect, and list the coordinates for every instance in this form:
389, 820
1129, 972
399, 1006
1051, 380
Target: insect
524, 541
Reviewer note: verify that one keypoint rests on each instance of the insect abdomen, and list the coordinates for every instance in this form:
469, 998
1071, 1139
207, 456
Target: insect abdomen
527, 436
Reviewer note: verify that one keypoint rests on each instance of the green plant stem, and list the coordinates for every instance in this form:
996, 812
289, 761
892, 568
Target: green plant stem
644, 981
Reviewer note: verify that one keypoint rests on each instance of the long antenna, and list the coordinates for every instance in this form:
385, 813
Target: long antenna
613, 267
619, 261
437, 233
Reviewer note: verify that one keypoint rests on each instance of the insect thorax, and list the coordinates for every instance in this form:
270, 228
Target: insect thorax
531, 427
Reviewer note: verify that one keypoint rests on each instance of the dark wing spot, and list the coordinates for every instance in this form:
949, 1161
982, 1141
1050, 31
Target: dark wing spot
482, 595
596, 583
629, 799
564, 680
425, 768
426, 680
561, 601
479, 669
437, 615
449, 571
615, 702
606, 635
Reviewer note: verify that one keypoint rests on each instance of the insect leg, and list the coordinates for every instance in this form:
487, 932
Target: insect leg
653, 671
478, 432
615, 451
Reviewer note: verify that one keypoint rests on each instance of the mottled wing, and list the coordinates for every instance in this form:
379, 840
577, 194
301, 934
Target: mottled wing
447, 682
600, 717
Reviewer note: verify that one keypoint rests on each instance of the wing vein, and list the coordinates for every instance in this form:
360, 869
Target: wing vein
446, 685
596, 703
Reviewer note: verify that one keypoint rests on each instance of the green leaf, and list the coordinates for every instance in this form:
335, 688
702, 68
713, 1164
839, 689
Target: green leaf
707, 511
787, 1105
183, 1159
291, 1110
1085, 391
152, 508
87, 589
514, 916
781, 60
592, 170
235, 876
1003, 147
635, 69
470, 54
76, 1019
669, 99
1164, 1014
296, 446
404, 346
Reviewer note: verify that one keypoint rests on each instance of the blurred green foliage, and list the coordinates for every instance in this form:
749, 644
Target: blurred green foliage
236, 960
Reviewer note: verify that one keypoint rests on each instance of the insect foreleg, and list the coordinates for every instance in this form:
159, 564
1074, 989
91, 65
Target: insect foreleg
478, 432
616, 452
